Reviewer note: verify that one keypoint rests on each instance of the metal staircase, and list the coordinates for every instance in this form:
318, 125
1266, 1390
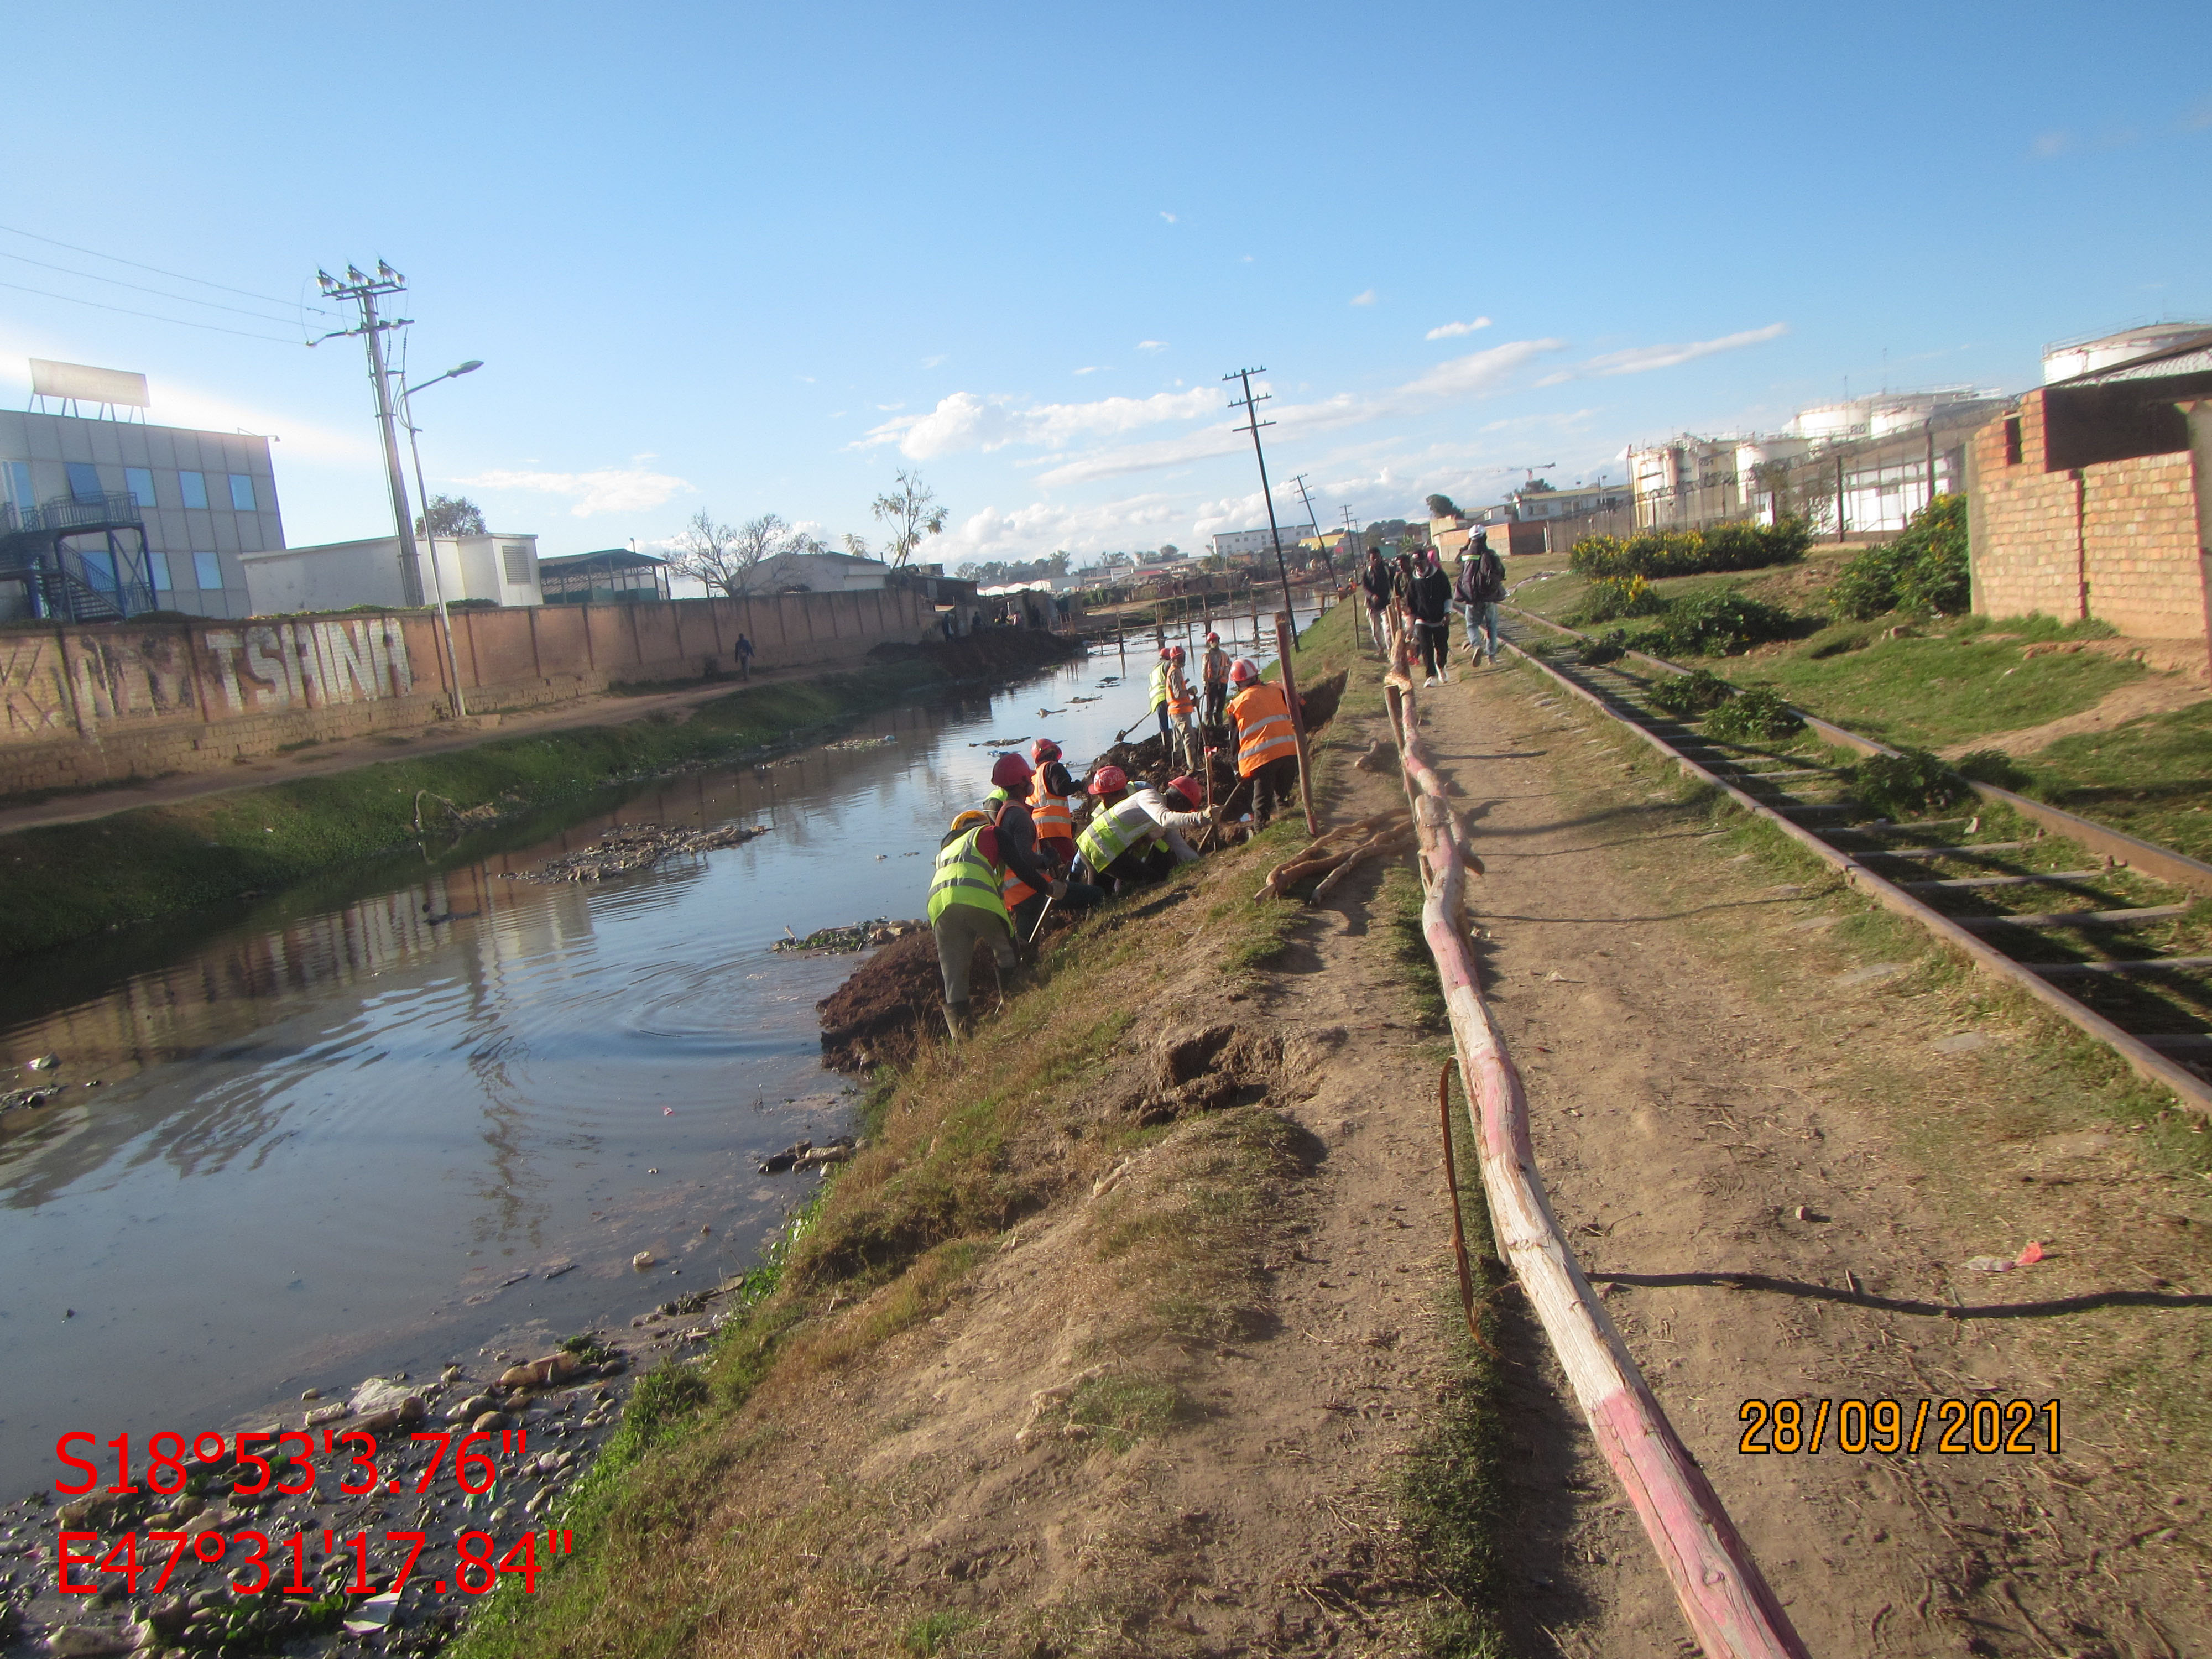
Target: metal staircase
64, 582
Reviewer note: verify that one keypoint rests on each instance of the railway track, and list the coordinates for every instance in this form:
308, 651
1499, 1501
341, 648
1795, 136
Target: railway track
2108, 932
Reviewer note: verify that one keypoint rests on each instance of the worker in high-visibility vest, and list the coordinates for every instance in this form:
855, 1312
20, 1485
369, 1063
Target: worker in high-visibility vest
1163, 671
1217, 682
1266, 743
966, 891
1182, 706
1052, 828
1116, 847
1049, 788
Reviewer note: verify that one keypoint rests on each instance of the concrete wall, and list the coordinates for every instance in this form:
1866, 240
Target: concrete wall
88, 705
2116, 540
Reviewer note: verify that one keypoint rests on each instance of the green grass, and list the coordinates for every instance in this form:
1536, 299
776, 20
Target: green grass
2151, 777
70, 881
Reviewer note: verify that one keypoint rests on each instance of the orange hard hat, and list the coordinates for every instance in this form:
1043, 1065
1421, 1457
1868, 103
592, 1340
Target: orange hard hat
1109, 781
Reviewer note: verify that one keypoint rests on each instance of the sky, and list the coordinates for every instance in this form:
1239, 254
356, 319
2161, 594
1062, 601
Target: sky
746, 259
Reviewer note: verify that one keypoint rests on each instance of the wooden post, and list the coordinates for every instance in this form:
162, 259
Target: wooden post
1298, 718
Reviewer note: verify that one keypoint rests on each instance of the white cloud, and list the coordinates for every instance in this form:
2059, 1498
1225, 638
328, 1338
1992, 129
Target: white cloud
1366, 299
931, 362
1165, 215
890, 409
965, 421
1453, 330
611, 489
1642, 360
1088, 368
1151, 345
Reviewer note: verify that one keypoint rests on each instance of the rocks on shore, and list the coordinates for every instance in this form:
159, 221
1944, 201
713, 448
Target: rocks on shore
805, 1155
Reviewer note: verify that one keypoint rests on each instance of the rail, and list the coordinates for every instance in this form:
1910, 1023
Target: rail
1726, 1599
2148, 1053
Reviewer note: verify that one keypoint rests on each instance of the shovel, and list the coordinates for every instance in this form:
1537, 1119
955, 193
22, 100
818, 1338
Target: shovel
1037, 932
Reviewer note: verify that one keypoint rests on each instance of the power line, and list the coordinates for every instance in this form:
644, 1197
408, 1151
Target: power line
140, 287
212, 328
180, 276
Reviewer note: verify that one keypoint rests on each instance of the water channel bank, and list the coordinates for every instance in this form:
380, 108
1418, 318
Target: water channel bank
72, 881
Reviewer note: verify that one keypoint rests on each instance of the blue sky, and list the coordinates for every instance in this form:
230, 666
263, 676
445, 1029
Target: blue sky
757, 260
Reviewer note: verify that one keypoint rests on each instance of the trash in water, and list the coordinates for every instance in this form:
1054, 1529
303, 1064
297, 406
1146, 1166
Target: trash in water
630, 847
861, 742
854, 936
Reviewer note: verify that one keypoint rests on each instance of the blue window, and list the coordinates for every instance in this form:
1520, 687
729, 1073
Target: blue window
84, 481
195, 487
139, 480
157, 565
16, 482
241, 491
207, 570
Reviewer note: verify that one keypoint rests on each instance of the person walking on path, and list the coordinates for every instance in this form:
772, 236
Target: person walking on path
1266, 743
1430, 596
1481, 584
1375, 583
744, 654
968, 888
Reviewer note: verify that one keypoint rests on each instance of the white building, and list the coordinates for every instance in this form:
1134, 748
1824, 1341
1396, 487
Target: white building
821, 573
202, 500
1249, 543
339, 575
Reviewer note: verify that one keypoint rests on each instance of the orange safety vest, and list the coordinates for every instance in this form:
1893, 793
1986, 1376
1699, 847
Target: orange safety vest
1049, 813
1013, 889
1182, 700
1263, 727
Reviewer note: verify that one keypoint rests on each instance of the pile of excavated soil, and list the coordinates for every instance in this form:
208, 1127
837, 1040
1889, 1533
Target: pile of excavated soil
890, 1005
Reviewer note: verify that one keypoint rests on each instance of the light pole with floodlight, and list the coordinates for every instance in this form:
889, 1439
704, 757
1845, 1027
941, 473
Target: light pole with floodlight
422, 493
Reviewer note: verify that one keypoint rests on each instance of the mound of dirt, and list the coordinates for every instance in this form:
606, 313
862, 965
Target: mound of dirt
890, 1005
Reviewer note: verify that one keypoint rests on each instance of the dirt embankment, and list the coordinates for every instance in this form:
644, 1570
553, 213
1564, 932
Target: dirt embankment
986, 652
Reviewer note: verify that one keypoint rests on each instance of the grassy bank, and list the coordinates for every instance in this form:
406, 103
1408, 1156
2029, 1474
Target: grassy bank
70, 881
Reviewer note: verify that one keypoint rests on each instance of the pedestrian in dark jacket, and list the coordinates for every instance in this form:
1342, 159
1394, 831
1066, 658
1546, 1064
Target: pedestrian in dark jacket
1481, 584
1375, 583
1430, 598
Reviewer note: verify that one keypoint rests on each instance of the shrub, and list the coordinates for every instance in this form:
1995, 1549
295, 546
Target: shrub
1924, 570
1897, 785
1613, 597
1687, 696
1752, 716
1718, 625
1654, 553
1610, 648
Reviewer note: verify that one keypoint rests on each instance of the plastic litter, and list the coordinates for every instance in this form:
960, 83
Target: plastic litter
1988, 1264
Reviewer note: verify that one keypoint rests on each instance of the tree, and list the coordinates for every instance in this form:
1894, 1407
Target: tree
856, 545
1442, 506
450, 515
1169, 550
1537, 486
912, 512
738, 561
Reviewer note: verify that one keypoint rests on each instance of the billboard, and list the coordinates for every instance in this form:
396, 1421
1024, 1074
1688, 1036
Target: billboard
88, 385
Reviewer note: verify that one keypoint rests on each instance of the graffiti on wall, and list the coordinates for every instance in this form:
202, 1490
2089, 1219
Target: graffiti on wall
310, 664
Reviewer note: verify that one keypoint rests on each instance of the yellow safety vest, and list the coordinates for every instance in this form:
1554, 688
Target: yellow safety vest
1264, 733
1159, 684
1112, 832
964, 876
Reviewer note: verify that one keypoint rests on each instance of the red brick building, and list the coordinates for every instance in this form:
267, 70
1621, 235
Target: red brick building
2086, 499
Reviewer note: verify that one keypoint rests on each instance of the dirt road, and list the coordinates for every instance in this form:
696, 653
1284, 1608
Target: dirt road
1734, 1075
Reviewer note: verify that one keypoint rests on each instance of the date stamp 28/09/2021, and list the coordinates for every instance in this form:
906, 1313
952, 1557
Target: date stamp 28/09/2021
1957, 1428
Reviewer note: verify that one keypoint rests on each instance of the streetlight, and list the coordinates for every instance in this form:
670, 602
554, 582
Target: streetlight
422, 493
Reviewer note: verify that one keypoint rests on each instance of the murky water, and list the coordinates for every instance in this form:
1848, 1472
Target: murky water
366, 1138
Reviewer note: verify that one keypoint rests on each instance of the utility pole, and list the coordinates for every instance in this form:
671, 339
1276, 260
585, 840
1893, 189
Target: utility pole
1251, 405
363, 291
1327, 562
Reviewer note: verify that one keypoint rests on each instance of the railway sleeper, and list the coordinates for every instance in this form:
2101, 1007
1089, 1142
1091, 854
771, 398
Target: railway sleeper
2074, 918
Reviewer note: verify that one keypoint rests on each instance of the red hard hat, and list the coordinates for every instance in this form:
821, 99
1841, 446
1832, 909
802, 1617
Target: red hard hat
1109, 781
1010, 772
1165, 653
1241, 670
1175, 651
1043, 749
1214, 639
1191, 790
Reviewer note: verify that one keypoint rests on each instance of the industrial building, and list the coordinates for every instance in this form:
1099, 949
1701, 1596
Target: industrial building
495, 569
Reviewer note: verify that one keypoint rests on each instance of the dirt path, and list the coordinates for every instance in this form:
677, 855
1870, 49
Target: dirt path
1720, 1083
2176, 680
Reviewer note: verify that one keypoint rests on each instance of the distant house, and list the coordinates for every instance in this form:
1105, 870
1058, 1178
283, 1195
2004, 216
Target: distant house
823, 573
338, 576
614, 575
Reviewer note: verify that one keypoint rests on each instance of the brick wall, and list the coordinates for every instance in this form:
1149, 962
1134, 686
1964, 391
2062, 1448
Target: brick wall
2116, 539
95, 704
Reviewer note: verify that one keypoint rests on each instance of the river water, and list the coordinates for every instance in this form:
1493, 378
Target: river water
342, 1136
